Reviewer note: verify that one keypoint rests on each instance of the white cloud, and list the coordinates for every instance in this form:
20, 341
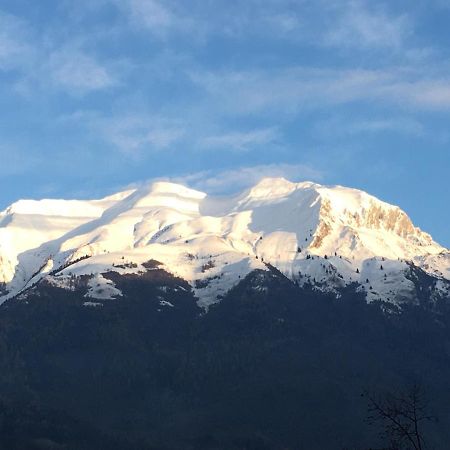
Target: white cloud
400, 125
231, 180
42, 61
201, 20
76, 71
284, 22
151, 13
338, 126
431, 93
298, 88
354, 24
350, 24
14, 48
240, 141
155, 16
134, 135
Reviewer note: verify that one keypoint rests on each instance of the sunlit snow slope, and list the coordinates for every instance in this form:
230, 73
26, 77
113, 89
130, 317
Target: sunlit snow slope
326, 236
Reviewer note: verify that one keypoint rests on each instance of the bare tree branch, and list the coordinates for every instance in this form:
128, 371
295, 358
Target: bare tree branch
402, 416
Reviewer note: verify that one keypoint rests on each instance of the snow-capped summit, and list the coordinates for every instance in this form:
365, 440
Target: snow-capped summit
326, 236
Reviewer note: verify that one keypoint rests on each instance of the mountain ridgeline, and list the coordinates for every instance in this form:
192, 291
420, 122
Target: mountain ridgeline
163, 318
329, 237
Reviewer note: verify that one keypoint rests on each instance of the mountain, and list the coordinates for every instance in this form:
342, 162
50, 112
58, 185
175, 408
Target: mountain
327, 237
161, 318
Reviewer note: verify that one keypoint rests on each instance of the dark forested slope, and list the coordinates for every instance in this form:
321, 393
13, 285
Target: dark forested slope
272, 366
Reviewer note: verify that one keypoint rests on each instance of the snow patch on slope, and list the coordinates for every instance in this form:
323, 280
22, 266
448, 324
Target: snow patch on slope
102, 289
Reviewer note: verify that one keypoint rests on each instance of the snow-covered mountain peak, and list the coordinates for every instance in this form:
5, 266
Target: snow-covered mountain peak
212, 242
166, 187
167, 194
270, 188
54, 207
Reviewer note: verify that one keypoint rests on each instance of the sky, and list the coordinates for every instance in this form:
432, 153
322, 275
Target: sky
100, 95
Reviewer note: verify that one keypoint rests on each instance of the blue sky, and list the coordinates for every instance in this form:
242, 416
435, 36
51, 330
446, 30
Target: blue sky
96, 95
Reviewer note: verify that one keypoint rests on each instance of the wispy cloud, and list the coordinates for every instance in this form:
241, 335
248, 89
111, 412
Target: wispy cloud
203, 20
240, 141
78, 72
43, 62
350, 126
299, 88
152, 14
135, 135
232, 180
357, 25
342, 24
14, 46
155, 16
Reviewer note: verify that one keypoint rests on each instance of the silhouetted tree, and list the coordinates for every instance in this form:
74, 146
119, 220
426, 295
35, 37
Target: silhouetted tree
402, 416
